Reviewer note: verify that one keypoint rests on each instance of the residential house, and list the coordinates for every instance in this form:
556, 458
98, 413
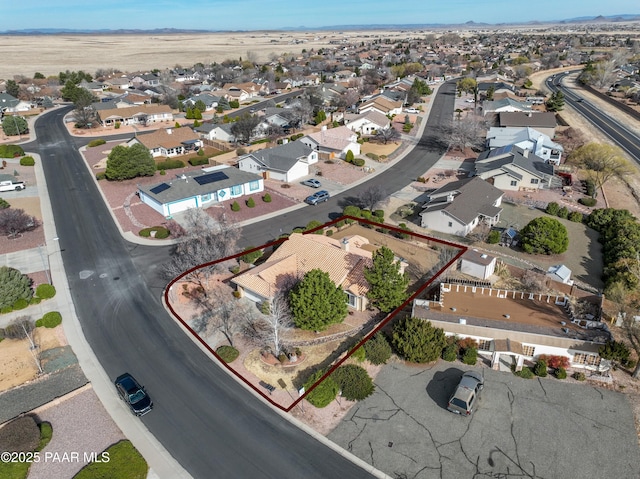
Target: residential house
200, 189
210, 101
118, 83
216, 131
511, 168
526, 138
136, 115
512, 327
504, 105
381, 104
477, 264
458, 207
560, 273
168, 142
344, 260
367, 123
10, 104
544, 122
287, 162
333, 142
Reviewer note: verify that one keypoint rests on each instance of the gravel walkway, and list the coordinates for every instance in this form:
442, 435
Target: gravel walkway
81, 426
32, 395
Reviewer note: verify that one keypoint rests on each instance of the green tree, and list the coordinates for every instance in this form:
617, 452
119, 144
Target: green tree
325, 392
320, 117
387, 284
125, 162
13, 286
555, 102
199, 105
349, 156
467, 85
38, 76
354, 382
616, 351
12, 88
316, 302
417, 340
602, 162
14, 125
378, 349
544, 235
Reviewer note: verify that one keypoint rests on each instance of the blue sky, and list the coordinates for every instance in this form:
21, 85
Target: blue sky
276, 14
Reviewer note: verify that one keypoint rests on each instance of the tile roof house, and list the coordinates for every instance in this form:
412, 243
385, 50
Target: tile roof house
200, 189
458, 207
286, 162
335, 142
344, 260
511, 168
544, 122
168, 141
136, 115
527, 138
367, 123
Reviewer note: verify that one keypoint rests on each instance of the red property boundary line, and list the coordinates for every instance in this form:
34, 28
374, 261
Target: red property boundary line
279, 241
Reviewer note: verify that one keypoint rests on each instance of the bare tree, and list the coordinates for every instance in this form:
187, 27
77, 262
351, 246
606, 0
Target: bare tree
602, 162
388, 134
269, 329
219, 311
14, 222
465, 133
23, 328
371, 197
244, 128
206, 239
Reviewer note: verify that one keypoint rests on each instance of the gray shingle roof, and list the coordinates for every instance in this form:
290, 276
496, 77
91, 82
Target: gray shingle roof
281, 158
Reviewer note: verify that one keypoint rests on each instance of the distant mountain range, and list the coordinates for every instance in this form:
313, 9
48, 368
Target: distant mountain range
471, 24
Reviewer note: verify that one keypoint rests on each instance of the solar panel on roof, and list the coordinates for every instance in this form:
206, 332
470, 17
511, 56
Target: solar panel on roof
160, 188
210, 178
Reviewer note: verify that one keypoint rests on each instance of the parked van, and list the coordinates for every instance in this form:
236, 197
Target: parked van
12, 185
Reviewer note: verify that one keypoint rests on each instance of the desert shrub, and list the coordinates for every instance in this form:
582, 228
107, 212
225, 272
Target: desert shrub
20, 304
349, 157
227, 353
526, 373
540, 368
35, 300
251, 202
555, 362
169, 164
359, 354
252, 257
329, 232
282, 357
45, 291
378, 349
117, 125
11, 151
323, 393
4, 204
373, 156
563, 213
421, 179
96, 142
590, 187
241, 151
561, 373
199, 161
27, 161
20, 435
358, 162
13, 286
354, 382
466, 343
552, 208
579, 376
588, 201
352, 210
450, 352
235, 206
101, 176
51, 319
266, 198
470, 356
312, 225
340, 224
576, 217
417, 340
378, 213
493, 237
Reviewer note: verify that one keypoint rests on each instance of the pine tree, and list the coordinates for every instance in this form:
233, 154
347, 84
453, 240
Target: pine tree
316, 302
387, 284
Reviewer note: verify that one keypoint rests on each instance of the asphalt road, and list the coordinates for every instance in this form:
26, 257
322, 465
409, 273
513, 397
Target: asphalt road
620, 135
203, 417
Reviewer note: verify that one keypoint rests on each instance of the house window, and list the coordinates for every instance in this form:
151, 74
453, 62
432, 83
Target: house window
528, 350
236, 190
450, 224
484, 344
534, 181
587, 359
254, 185
514, 183
206, 197
352, 300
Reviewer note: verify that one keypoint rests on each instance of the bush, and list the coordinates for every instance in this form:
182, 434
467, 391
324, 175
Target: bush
544, 235
266, 198
227, 353
561, 373
493, 237
27, 161
354, 382
526, 373
359, 354
470, 356
20, 304
555, 362
540, 368
329, 232
552, 208
450, 352
96, 142
378, 349
579, 376
4, 204
13, 286
379, 214
590, 187
169, 164
323, 393
235, 206
101, 176
198, 161
615, 351
20, 435
51, 319
588, 201
563, 213
124, 461
252, 257
417, 340
45, 291
117, 125
312, 225
352, 210
358, 161
160, 232
576, 217
373, 156
35, 300
349, 157
11, 151
250, 202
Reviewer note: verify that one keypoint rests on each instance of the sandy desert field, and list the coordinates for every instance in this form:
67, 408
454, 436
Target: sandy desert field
50, 54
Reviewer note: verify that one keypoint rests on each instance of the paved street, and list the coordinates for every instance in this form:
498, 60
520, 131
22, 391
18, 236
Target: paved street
537, 428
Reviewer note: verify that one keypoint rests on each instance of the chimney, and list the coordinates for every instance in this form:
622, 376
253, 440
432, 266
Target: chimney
450, 198
345, 244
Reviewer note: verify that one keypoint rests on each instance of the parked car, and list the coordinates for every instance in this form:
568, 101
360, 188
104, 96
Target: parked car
317, 197
133, 394
412, 110
467, 393
12, 185
312, 182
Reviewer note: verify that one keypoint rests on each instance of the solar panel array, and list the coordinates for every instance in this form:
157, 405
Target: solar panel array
210, 178
160, 188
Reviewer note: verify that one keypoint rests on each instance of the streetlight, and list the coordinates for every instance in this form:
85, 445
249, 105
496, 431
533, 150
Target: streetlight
46, 264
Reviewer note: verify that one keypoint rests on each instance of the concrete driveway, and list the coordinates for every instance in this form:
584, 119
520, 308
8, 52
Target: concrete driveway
537, 428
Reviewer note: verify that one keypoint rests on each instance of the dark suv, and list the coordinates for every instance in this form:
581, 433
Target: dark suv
133, 394
317, 197
467, 393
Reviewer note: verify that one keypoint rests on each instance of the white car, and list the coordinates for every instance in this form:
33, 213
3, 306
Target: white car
470, 100
412, 110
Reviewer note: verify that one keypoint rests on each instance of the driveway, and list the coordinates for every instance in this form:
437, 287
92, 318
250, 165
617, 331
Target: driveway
537, 428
